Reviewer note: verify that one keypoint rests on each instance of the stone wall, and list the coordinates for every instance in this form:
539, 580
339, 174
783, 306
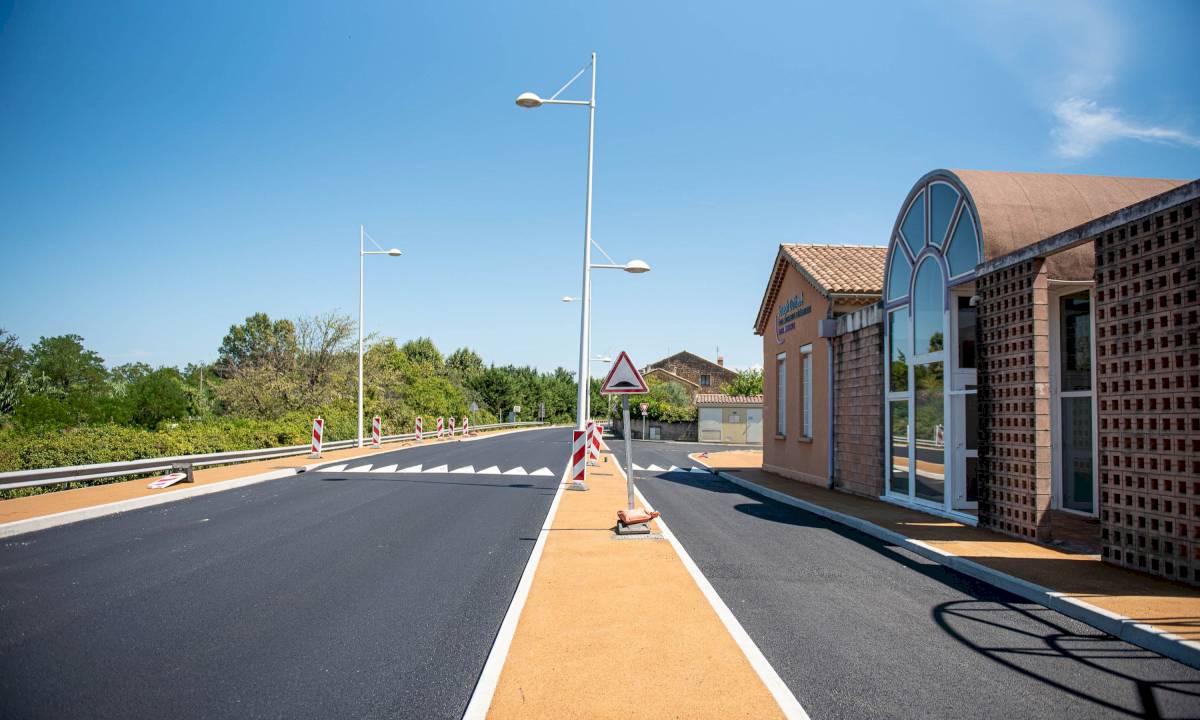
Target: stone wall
1148, 392
1013, 369
858, 402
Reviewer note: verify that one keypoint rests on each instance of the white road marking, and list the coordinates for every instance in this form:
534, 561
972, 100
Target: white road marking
493, 470
385, 468
361, 468
411, 469
699, 470
779, 690
465, 470
333, 468
673, 468
638, 467
438, 469
543, 471
654, 468
518, 470
485, 688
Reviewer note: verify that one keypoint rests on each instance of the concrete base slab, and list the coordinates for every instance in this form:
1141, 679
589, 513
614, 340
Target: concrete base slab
578, 485
635, 529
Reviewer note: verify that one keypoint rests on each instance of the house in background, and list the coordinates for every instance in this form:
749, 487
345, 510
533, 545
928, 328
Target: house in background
730, 418
694, 373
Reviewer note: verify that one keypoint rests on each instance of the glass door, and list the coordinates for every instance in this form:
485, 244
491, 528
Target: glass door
1073, 426
964, 414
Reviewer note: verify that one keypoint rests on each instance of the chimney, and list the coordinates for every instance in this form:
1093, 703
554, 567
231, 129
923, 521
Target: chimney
721, 361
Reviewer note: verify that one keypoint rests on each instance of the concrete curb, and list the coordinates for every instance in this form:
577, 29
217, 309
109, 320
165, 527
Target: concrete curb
1119, 626
45, 522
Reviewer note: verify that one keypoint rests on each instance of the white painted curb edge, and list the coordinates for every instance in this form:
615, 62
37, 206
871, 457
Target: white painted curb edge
489, 677
1119, 626
45, 522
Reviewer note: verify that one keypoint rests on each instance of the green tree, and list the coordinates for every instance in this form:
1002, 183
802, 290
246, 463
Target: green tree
747, 382
12, 372
258, 342
495, 390
62, 366
463, 365
156, 396
423, 357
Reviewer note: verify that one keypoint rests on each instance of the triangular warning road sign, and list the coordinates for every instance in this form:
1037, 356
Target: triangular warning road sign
623, 378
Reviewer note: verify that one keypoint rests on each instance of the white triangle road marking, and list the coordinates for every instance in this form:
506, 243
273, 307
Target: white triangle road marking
673, 468
699, 470
411, 469
638, 467
438, 469
518, 470
465, 470
385, 468
361, 468
333, 468
543, 472
654, 468
493, 470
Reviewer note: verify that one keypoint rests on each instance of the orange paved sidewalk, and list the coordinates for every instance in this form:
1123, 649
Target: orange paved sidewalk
618, 628
1169, 606
50, 503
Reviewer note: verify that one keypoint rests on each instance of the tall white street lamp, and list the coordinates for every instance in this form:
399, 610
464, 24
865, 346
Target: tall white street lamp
362, 253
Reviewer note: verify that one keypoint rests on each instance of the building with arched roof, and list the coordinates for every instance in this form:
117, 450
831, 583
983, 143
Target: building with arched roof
1036, 335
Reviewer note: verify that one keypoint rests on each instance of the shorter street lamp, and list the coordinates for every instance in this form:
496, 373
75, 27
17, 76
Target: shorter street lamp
362, 253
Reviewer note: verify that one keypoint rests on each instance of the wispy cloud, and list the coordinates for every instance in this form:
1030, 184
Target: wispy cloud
1085, 126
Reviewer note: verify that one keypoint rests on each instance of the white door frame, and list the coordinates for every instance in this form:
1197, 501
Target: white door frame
1058, 290
957, 392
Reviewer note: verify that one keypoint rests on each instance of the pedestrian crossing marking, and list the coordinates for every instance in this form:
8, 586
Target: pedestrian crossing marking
493, 470
333, 468
518, 470
411, 469
545, 472
464, 470
385, 468
438, 469
361, 468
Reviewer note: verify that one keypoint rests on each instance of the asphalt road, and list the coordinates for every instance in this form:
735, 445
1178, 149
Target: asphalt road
858, 628
327, 595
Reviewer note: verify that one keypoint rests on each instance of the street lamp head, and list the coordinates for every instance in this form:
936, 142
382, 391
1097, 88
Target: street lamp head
568, 298
637, 267
605, 359
395, 252
529, 100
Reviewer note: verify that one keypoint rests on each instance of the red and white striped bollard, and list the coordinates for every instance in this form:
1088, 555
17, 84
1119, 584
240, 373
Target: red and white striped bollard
419, 430
318, 434
376, 431
441, 427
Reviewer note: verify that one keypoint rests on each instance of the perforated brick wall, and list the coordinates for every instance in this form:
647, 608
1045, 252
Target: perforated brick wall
858, 408
1013, 371
1148, 393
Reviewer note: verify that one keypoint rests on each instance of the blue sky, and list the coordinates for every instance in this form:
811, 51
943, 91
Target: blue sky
166, 169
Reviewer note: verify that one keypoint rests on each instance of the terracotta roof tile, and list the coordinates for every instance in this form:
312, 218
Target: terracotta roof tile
721, 399
854, 269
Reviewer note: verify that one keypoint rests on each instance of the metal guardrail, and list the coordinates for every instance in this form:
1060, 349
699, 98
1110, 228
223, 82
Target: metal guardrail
82, 473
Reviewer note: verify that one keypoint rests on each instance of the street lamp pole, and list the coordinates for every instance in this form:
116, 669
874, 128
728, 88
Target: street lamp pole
362, 253
585, 315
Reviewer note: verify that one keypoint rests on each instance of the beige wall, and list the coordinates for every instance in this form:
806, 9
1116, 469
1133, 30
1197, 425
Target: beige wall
791, 455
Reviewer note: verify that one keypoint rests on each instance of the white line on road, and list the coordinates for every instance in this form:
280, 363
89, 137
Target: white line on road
489, 678
360, 468
779, 690
546, 472
493, 470
333, 468
465, 470
412, 469
386, 468
438, 469
518, 470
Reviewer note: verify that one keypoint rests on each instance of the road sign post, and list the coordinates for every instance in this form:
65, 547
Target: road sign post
624, 380
644, 407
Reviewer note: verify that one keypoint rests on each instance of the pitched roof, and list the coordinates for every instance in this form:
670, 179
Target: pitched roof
665, 362
834, 270
664, 371
722, 399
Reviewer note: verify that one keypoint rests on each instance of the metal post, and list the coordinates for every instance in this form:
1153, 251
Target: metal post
585, 388
361, 232
628, 449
